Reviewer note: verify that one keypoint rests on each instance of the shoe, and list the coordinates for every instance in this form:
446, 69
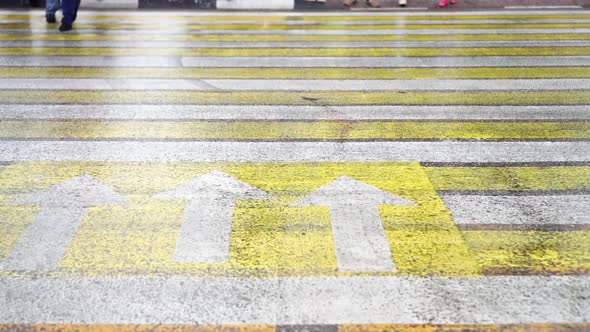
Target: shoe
50, 19
443, 3
349, 3
373, 4
65, 27
403, 3
452, 2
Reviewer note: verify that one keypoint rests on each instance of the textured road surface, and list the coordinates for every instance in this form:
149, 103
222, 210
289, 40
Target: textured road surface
423, 171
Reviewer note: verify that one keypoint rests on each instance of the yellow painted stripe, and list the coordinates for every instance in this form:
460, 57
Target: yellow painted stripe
286, 38
295, 130
302, 52
298, 98
542, 327
279, 27
530, 252
297, 73
510, 178
177, 18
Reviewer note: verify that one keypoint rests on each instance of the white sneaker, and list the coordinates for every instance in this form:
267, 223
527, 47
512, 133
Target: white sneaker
403, 3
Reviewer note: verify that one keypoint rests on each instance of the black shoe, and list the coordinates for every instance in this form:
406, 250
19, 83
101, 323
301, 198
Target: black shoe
65, 27
50, 18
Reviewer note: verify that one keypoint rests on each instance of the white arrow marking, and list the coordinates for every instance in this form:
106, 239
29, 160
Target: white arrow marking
63, 207
361, 245
205, 232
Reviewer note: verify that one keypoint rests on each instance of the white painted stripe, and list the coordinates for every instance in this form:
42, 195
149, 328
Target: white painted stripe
214, 112
176, 20
519, 210
543, 7
344, 300
294, 44
180, 30
292, 85
293, 62
85, 13
440, 152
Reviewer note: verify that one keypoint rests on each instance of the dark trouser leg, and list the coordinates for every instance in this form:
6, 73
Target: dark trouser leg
51, 7
70, 11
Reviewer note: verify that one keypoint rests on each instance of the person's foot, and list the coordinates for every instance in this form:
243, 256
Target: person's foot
403, 3
443, 3
452, 2
373, 3
50, 18
349, 3
65, 27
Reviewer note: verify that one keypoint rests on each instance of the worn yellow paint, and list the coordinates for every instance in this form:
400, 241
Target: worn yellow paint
298, 73
514, 252
297, 97
204, 18
299, 52
292, 38
269, 238
510, 178
285, 27
264, 130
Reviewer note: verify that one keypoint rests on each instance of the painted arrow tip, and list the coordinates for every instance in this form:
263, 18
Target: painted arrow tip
215, 183
81, 191
347, 191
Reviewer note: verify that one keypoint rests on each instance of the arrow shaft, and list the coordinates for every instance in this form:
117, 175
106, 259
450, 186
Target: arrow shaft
44, 242
359, 237
205, 232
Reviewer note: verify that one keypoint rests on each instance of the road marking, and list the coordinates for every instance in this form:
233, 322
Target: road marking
325, 98
359, 237
521, 178
269, 85
303, 26
217, 37
63, 207
180, 113
293, 131
303, 52
205, 232
354, 300
433, 152
301, 32
268, 236
294, 62
360, 75
530, 211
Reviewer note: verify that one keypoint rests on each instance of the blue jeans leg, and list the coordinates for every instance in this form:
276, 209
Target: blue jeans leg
51, 6
70, 10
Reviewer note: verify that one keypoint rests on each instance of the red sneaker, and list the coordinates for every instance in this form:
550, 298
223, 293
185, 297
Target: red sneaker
443, 3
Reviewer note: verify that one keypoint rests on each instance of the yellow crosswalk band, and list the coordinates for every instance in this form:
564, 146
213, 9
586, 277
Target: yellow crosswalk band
581, 97
298, 73
296, 38
279, 27
301, 52
261, 130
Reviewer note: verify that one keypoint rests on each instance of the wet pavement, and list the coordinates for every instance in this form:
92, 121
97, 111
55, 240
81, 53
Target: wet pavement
382, 171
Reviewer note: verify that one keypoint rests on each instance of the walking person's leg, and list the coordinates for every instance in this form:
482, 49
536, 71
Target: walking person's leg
51, 6
70, 11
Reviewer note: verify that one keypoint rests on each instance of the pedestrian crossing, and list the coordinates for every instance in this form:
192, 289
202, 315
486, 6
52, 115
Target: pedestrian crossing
336, 169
